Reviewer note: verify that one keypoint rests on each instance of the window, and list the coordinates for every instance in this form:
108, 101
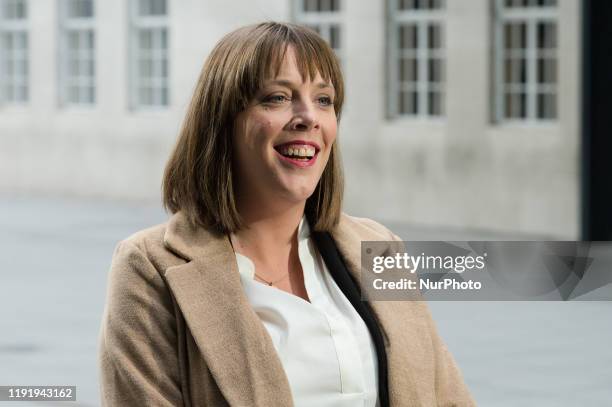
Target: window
526, 60
324, 17
14, 64
149, 53
416, 63
77, 52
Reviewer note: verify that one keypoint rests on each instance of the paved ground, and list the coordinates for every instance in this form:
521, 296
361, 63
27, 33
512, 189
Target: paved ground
56, 253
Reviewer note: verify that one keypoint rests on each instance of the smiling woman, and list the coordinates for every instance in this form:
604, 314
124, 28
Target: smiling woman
264, 79
250, 294
283, 138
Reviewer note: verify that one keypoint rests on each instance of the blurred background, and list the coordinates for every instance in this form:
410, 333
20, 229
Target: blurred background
464, 119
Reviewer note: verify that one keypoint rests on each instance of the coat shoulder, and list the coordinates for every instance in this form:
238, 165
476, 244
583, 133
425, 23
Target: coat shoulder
366, 228
150, 243
150, 237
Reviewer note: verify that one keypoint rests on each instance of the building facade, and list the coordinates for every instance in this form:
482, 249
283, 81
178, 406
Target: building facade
458, 113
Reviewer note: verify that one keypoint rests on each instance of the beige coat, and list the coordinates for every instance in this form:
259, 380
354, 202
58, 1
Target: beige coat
178, 330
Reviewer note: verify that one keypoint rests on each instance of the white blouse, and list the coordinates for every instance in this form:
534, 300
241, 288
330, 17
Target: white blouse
324, 345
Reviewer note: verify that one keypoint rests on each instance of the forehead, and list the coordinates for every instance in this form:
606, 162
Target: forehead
290, 64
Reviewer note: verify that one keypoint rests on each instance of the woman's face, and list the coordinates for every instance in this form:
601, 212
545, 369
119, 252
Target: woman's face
283, 139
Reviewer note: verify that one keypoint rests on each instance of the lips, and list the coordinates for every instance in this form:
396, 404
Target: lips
298, 153
298, 144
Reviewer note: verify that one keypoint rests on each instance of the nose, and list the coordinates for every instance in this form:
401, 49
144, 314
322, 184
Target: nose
304, 116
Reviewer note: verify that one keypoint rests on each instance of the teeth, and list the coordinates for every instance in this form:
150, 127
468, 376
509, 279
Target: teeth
299, 151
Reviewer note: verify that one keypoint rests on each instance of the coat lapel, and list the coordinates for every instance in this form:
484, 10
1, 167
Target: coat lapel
235, 344
348, 236
404, 384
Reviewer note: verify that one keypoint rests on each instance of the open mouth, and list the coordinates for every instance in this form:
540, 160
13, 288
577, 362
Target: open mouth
298, 152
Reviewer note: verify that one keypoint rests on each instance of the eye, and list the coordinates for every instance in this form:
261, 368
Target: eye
325, 100
276, 99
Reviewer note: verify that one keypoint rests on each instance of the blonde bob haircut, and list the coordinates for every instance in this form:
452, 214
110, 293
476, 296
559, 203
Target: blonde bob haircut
198, 179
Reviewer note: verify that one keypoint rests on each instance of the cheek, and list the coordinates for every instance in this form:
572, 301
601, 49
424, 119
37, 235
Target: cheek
266, 127
252, 135
263, 128
331, 130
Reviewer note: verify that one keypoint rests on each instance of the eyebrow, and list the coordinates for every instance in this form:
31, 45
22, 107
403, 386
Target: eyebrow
289, 84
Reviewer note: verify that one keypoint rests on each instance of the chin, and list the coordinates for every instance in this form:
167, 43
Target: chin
301, 194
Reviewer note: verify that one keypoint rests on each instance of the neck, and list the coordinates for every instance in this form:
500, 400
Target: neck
267, 234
